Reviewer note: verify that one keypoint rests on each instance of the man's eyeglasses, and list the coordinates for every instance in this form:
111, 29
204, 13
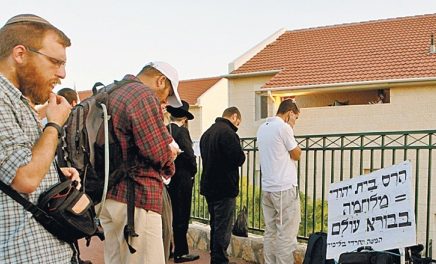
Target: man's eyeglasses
57, 62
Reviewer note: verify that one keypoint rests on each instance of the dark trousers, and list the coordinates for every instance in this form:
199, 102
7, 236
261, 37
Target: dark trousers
167, 222
221, 216
181, 196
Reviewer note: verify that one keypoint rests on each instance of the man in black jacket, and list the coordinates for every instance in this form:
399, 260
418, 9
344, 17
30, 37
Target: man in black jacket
222, 156
180, 187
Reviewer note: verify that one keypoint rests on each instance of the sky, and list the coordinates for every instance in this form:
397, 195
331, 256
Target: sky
199, 38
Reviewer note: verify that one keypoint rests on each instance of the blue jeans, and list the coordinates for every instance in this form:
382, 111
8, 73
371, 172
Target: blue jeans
221, 216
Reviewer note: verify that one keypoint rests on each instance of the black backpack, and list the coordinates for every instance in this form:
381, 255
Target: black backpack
317, 249
89, 142
366, 255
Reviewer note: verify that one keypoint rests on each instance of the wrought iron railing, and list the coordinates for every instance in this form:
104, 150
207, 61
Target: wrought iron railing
336, 157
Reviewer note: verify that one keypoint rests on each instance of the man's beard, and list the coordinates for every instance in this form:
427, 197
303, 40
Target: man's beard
32, 84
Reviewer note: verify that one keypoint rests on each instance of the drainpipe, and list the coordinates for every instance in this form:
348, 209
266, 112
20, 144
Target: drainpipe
432, 46
271, 97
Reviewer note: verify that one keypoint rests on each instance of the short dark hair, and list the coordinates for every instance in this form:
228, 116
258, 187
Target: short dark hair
231, 111
69, 94
29, 34
288, 105
151, 72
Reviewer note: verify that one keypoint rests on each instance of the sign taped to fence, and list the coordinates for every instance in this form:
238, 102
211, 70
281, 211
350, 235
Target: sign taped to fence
372, 210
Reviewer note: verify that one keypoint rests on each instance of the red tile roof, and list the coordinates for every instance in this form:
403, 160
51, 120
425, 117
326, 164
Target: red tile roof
190, 90
84, 94
387, 49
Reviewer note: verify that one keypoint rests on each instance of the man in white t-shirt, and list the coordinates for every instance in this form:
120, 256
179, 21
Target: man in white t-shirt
279, 152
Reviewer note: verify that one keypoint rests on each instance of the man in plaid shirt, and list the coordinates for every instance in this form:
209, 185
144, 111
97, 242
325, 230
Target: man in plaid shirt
137, 118
32, 62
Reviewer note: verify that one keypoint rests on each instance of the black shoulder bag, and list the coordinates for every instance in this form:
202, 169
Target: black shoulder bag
62, 210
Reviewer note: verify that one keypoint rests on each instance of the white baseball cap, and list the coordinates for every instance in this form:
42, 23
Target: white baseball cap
171, 74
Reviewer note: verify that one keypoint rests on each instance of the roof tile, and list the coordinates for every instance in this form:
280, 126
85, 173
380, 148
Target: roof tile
395, 48
190, 90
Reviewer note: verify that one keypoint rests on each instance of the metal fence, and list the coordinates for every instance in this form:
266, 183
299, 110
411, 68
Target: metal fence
331, 158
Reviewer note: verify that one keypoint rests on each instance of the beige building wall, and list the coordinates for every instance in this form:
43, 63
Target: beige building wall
242, 95
210, 105
194, 125
410, 108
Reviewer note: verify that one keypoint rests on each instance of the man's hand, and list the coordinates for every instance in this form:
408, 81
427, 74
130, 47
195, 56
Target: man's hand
72, 174
58, 109
174, 152
175, 149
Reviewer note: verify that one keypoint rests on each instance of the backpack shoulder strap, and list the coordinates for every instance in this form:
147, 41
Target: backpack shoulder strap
129, 228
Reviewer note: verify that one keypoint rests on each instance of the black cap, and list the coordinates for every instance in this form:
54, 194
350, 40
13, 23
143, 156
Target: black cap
181, 111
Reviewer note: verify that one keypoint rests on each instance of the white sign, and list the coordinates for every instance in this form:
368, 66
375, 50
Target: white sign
373, 210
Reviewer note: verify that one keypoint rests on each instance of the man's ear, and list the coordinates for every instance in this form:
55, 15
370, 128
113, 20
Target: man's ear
161, 82
18, 54
288, 116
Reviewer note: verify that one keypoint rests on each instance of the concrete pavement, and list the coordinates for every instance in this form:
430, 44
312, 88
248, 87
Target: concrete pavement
94, 253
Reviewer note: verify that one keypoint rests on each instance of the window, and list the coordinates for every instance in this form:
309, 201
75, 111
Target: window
344, 98
261, 106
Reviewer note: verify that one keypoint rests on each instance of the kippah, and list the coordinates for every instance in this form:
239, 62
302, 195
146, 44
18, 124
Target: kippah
26, 18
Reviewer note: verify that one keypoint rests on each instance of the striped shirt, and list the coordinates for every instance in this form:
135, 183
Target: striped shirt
22, 239
139, 127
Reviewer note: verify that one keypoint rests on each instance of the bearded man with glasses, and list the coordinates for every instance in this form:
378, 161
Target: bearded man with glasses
32, 62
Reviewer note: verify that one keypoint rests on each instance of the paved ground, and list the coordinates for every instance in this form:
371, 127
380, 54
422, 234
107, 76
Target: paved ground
94, 253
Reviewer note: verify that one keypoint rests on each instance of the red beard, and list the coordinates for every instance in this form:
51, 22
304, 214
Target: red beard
32, 83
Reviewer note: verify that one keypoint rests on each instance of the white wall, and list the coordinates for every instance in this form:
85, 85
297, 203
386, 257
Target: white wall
194, 125
211, 105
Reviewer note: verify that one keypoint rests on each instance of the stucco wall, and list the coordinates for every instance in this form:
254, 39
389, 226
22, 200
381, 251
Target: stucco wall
410, 108
212, 104
242, 95
195, 124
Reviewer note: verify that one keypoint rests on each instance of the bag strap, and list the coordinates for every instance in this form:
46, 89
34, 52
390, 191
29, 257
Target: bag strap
129, 228
61, 175
37, 212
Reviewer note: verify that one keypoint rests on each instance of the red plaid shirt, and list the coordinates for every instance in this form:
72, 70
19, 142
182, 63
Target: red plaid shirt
138, 124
